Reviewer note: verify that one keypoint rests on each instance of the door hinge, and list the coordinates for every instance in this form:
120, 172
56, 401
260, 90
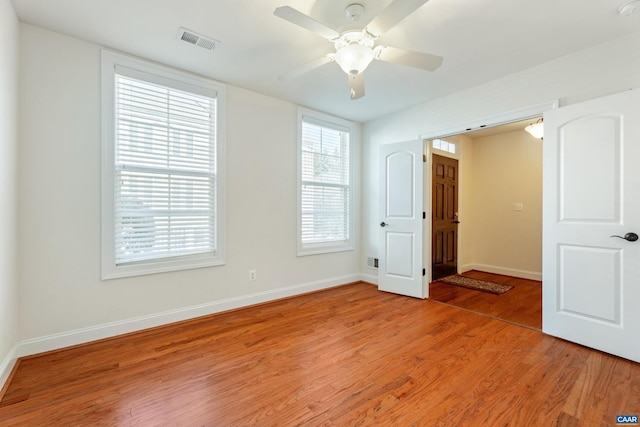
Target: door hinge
424, 158
424, 271
424, 215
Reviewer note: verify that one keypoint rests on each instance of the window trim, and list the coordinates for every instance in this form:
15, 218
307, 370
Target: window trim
339, 124
177, 79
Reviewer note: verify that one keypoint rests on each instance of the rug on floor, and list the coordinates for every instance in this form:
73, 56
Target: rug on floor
479, 285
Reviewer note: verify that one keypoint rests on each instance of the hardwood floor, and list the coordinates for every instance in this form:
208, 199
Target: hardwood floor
521, 305
346, 356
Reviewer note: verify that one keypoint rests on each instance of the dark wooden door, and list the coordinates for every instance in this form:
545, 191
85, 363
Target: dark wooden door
444, 246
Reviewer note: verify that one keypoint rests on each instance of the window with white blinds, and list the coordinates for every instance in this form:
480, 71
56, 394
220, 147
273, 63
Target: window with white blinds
164, 174
325, 211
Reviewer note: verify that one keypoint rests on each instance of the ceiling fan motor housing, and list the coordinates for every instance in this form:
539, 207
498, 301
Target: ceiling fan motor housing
354, 12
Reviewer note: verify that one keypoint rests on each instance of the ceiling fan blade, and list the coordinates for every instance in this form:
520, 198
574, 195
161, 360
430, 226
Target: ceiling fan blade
305, 21
296, 72
424, 61
392, 15
356, 86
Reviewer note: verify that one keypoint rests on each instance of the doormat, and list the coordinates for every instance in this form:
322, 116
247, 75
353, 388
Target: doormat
479, 285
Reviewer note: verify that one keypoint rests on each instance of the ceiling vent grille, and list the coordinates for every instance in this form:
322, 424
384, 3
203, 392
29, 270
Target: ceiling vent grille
196, 39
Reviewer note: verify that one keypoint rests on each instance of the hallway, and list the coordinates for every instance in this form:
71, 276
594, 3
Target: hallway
521, 305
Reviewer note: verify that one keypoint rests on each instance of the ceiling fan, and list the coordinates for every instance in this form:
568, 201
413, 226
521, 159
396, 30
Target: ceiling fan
355, 49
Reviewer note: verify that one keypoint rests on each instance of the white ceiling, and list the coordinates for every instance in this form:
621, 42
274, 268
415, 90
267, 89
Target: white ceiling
480, 40
500, 129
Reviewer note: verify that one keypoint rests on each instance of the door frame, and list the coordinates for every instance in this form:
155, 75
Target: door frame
515, 115
410, 283
454, 156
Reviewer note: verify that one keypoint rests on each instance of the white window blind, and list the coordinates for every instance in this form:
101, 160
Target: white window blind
325, 207
165, 171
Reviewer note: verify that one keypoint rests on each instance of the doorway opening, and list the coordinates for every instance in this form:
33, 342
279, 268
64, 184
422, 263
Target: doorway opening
496, 218
444, 210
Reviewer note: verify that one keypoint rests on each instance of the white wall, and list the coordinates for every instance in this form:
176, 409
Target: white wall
601, 70
59, 205
8, 150
507, 169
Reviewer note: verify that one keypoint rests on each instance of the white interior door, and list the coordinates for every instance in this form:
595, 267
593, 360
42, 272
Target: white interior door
591, 187
400, 268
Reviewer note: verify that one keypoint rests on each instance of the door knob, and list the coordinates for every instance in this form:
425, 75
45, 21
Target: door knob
383, 224
629, 237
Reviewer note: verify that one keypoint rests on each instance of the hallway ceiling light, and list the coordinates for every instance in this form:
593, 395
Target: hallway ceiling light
536, 129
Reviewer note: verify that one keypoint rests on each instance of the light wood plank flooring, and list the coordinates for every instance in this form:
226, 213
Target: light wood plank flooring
521, 305
341, 357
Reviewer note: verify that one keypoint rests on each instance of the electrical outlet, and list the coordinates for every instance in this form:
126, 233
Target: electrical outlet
252, 275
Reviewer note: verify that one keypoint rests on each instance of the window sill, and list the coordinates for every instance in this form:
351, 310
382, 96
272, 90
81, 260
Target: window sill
160, 266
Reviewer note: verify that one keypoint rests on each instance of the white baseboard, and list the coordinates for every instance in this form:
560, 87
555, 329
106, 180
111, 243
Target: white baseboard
369, 278
532, 275
7, 366
111, 329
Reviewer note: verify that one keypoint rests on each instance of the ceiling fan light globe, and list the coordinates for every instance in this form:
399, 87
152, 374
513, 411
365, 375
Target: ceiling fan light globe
354, 58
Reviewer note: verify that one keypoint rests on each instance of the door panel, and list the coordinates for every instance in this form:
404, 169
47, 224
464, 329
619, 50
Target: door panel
450, 254
591, 189
399, 254
400, 174
598, 267
596, 142
438, 248
438, 205
400, 266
